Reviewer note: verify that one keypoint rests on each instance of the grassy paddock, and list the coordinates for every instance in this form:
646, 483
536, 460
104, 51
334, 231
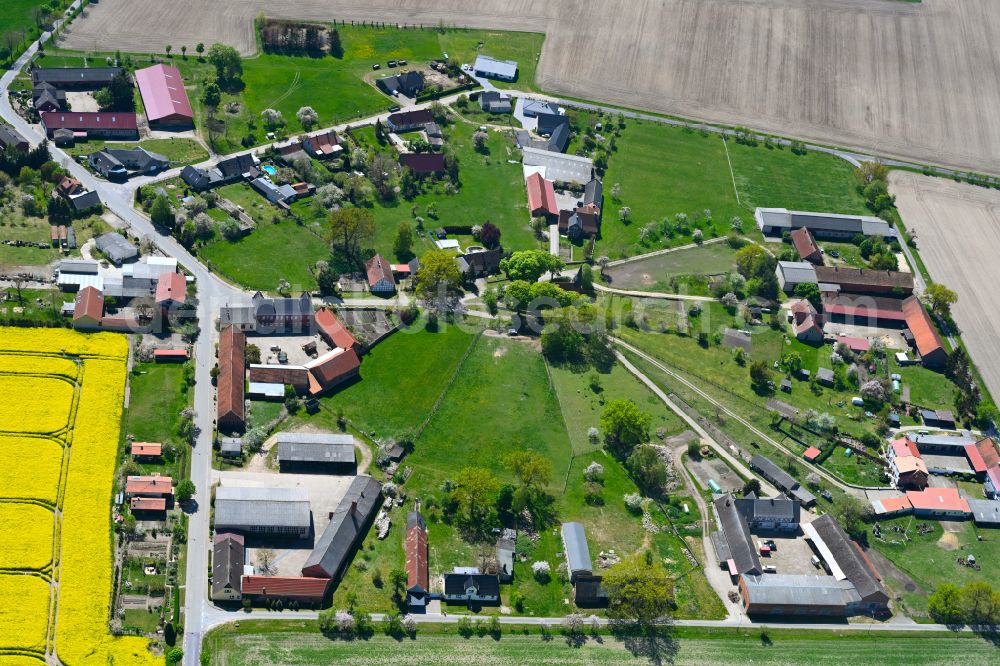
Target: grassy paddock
299, 642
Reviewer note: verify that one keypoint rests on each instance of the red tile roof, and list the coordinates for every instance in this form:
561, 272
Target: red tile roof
89, 303
232, 375
416, 558
987, 448
163, 94
286, 586
975, 458
378, 269
146, 449
855, 344
938, 499
811, 453
333, 330
925, 336
867, 306
171, 287
86, 120
294, 375
905, 447
148, 485
170, 353
148, 504
894, 504
805, 244
541, 195
332, 368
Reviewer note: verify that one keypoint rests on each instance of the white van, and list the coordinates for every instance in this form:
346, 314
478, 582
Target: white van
770, 568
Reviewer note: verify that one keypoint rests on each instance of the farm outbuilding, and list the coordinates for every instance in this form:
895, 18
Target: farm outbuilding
309, 452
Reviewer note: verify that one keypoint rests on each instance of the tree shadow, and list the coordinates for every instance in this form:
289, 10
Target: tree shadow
654, 642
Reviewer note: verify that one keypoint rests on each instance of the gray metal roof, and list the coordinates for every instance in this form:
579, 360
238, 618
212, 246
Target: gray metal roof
575, 544
797, 271
783, 218
985, 512
81, 266
116, 247
345, 528
503, 68
775, 474
774, 508
737, 535
826, 374
237, 506
786, 590
849, 558
316, 452
943, 440
560, 167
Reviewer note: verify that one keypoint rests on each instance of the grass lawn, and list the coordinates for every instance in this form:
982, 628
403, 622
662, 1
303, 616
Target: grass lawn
681, 270
927, 388
260, 642
581, 405
156, 399
271, 252
665, 170
778, 178
178, 151
502, 400
263, 412
854, 468
930, 558
15, 225
142, 620
39, 305
404, 376
492, 191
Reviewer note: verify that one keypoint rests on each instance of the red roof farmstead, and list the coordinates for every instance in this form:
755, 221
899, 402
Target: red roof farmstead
164, 97
102, 124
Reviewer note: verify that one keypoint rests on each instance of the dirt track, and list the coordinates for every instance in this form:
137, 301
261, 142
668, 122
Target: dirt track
958, 235
913, 80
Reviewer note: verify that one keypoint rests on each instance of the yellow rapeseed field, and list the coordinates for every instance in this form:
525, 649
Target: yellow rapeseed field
38, 481
34, 404
23, 624
25, 536
40, 365
85, 555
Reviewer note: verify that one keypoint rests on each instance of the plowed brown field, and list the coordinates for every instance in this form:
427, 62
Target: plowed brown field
911, 80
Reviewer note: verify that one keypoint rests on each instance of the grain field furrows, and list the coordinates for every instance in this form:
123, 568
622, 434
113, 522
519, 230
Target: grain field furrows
958, 235
914, 80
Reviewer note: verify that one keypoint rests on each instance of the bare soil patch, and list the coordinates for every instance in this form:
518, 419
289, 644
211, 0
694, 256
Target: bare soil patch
958, 236
948, 541
909, 79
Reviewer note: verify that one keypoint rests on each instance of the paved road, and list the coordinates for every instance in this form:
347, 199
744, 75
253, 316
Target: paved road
217, 617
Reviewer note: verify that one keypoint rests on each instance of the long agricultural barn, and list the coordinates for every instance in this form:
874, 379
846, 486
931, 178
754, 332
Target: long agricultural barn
163, 95
346, 529
274, 511
92, 124
308, 452
232, 376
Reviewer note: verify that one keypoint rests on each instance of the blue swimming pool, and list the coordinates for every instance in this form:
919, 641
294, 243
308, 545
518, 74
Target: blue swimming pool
270, 169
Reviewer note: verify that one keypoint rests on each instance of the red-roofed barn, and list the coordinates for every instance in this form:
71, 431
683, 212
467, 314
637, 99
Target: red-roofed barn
541, 197
163, 96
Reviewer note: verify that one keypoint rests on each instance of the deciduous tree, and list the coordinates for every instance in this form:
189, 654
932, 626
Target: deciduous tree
624, 425
639, 590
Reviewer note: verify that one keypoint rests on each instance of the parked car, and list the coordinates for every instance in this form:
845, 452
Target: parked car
392, 63
394, 108
401, 63
376, 66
